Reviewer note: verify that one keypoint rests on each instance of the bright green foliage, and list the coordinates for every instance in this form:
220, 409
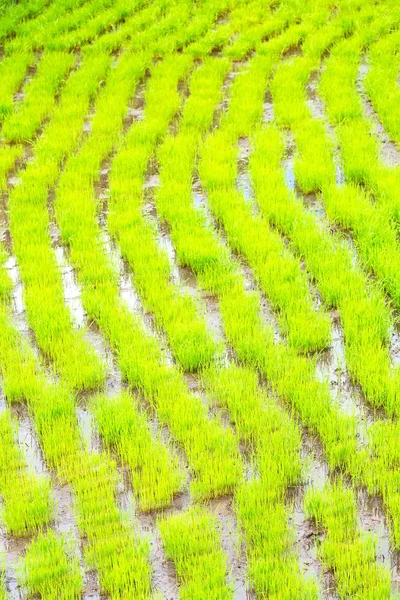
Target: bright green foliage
273, 566
191, 345
381, 81
156, 475
98, 101
60, 18
29, 224
351, 556
12, 73
341, 283
211, 450
112, 548
274, 442
276, 270
192, 542
39, 101
28, 503
49, 571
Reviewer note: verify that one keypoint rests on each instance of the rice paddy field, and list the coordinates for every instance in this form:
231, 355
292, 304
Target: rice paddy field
199, 299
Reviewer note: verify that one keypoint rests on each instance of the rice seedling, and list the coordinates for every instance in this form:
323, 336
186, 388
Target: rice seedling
311, 134
28, 504
219, 395
139, 355
155, 470
60, 18
39, 100
48, 570
351, 555
273, 439
112, 547
191, 540
12, 73
176, 313
380, 80
278, 273
29, 224
18, 13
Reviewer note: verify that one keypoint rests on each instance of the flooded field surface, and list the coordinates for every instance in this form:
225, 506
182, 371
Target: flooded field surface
199, 300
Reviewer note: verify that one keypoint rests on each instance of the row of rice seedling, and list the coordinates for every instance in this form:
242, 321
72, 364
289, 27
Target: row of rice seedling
39, 97
177, 314
314, 243
161, 34
273, 441
351, 556
240, 18
162, 19
277, 272
174, 490
287, 213
99, 23
192, 542
353, 207
380, 81
50, 571
29, 226
12, 72
123, 74
240, 310
193, 24
197, 112
20, 12
246, 103
28, 503
362, 343
155, 471
60, 18
211, 450
262, 30
111, 546
256, 505
345, 429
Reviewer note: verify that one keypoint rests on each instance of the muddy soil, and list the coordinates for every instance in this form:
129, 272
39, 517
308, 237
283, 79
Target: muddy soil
389, 152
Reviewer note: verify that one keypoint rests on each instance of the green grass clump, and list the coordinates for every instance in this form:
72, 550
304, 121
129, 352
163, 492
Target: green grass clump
28, 503
50, 571
351, 555
191, 540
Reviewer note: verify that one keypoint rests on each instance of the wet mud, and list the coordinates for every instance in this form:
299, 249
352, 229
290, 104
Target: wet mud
372, 520
389, 152
233, 546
